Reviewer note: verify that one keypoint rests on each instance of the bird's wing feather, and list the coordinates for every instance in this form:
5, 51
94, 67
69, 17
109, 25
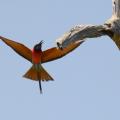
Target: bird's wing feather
47, 56
55, 53
18, 48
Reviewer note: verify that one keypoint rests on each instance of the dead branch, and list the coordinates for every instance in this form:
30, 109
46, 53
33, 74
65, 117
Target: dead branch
80, 32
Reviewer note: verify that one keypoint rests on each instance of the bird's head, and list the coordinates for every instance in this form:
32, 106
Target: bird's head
38, 46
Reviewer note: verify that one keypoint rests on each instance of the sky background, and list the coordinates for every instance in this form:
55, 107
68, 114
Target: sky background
87, 81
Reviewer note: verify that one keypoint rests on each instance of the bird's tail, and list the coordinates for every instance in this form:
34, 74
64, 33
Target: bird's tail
38, 73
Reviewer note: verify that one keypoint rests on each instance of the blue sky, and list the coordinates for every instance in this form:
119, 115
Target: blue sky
87, 81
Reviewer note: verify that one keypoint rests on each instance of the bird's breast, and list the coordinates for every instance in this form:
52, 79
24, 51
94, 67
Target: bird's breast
36, 57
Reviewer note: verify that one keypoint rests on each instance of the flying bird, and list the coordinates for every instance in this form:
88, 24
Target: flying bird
37, 57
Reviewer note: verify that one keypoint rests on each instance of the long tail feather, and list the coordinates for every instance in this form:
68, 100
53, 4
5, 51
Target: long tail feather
38, 74
40, 86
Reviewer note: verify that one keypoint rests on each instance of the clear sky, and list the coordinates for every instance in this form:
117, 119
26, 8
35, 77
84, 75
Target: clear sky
87, 81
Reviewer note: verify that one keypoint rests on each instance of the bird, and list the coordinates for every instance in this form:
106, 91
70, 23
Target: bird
37, 57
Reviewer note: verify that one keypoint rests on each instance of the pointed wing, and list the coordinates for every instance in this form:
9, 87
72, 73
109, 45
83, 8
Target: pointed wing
18, 48
55, 53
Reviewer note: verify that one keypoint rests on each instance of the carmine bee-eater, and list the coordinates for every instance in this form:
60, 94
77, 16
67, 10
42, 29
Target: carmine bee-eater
36, 56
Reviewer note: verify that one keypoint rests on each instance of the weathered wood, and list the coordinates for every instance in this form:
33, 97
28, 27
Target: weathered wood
116, 8
81, 32
111, 28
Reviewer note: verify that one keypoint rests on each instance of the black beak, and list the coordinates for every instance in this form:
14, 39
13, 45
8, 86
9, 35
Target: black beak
41, 42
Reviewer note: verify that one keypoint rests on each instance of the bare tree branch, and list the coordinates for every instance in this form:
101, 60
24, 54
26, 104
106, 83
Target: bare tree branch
111, 28
81, 32
116, 8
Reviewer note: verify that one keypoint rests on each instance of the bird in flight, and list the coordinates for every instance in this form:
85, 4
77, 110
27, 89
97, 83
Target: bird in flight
37, 57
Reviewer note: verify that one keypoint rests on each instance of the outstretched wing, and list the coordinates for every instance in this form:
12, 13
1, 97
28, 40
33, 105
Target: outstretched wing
47, 56
18, 48
55, 53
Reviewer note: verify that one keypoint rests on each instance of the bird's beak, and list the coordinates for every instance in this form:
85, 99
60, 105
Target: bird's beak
59, 46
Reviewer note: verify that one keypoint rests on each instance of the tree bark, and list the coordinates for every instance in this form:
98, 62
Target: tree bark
116, 8
111, 28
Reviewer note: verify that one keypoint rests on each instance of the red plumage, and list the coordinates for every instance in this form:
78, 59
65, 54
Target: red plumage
36, 56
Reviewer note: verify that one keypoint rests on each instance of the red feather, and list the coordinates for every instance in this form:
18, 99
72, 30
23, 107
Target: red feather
36, 56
